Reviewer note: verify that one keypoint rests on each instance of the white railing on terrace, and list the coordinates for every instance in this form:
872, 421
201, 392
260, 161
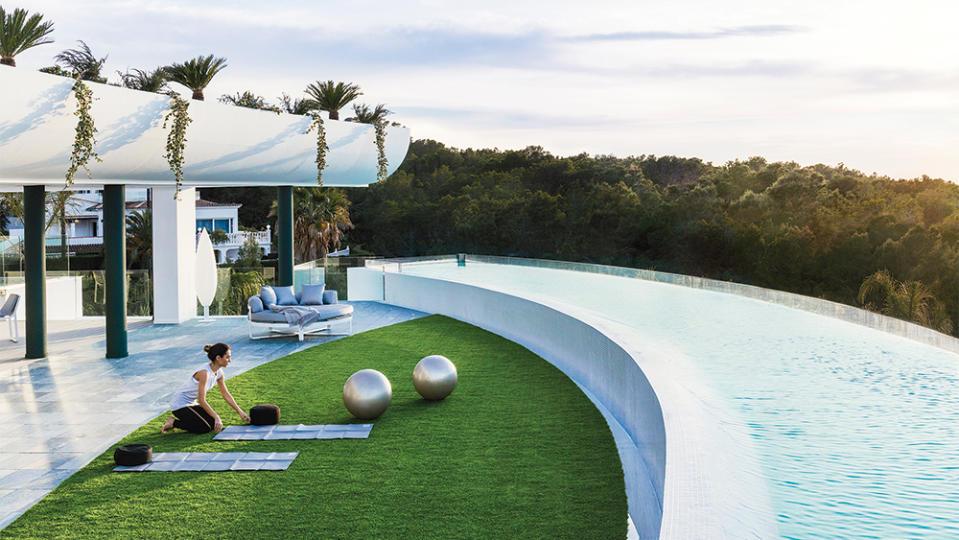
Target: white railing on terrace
260, 237
83, 240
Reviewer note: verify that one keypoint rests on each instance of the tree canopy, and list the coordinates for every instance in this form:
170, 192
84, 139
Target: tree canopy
816, 230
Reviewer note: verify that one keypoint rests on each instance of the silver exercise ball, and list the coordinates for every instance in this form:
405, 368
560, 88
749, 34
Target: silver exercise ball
434, 377
367, 393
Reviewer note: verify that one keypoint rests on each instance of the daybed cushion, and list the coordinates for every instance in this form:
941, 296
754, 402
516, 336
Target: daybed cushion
312, 295
268, 316
333, 310
324, 312
285, 296
267, 296
255, 304
329, 297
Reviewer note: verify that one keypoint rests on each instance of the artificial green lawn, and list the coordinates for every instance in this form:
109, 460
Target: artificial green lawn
516, 451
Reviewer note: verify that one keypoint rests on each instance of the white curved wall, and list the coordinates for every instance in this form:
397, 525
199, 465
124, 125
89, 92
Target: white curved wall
608, 373
226, 145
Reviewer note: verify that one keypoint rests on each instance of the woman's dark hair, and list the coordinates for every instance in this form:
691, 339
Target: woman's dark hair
217, 349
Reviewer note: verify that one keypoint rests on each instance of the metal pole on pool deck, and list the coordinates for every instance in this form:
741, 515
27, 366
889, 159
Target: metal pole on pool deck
115, 264
284, 235
35, 270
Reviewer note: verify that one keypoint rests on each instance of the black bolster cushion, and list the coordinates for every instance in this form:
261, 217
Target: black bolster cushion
264, 415
133, 454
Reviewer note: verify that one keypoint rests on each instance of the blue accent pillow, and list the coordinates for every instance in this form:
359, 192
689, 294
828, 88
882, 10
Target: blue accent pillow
285, 296
255, 304
329, 297
268, 296
312, 295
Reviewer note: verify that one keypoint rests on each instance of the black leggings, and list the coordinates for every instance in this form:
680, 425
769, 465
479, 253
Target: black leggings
193, 419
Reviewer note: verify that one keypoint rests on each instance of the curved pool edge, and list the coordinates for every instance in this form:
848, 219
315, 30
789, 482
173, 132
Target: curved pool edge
818, 306
697, 490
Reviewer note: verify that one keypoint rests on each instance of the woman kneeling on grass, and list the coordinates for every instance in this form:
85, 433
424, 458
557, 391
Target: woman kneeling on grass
189, 406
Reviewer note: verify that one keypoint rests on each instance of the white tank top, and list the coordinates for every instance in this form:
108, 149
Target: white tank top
187, 394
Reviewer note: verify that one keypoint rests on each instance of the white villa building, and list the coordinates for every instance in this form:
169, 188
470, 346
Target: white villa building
84, 217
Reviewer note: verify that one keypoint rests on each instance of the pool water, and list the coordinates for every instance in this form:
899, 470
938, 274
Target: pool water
857, 429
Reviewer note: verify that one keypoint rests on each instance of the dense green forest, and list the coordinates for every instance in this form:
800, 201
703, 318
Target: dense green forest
817, 230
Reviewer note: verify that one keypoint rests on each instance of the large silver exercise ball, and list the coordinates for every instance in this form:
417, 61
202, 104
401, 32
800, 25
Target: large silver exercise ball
434, 377
367, 393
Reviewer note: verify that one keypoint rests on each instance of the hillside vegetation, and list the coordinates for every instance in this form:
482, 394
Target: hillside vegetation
817, 230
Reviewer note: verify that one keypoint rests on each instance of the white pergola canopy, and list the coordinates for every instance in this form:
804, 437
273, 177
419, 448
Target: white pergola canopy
226, 145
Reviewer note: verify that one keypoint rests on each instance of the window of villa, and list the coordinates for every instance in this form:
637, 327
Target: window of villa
204, 224
222, 224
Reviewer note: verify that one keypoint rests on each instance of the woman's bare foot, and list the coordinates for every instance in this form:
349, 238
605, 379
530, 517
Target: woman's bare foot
168, 425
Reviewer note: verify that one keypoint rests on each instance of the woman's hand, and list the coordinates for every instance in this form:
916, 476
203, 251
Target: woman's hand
245, 417
217, 425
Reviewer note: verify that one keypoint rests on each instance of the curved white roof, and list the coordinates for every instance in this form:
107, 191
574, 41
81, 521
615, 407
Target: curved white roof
226, 145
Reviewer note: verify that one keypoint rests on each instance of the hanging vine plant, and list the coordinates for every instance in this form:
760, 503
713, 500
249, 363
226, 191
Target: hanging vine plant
321, 147
83, 141
381, 162
176, 139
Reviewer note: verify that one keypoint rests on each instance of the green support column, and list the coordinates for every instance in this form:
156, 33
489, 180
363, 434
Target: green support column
115, 263
35, 269
284, 234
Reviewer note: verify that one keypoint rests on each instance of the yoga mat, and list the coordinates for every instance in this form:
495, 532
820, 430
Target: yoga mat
215, 461
288, 432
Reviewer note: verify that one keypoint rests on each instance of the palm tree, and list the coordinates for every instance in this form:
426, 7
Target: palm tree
364, 115
297, 106
321, 215
82, 62
140, 239
197, 73
908, 300
18, 32
147, 81
58, 202
332, 97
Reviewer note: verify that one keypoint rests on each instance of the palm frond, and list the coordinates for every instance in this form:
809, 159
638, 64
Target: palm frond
364, 115
332, 97
297, 106
19, 32
82, 62
196, 73
322, 217
876, 288
249, 100
147, 81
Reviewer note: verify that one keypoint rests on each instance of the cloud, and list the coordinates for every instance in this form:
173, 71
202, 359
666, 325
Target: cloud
431, 46
656, 35
903, 79
500, 118
745, 69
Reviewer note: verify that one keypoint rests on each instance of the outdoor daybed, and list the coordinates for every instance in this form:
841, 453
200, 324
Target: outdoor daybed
310, 312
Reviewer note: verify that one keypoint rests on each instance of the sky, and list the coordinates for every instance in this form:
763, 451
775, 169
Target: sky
870, 84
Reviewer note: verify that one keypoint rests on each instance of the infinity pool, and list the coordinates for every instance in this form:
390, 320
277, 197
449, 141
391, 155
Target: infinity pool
857, 430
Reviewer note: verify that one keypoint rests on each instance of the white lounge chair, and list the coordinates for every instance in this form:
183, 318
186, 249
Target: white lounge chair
9, 312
